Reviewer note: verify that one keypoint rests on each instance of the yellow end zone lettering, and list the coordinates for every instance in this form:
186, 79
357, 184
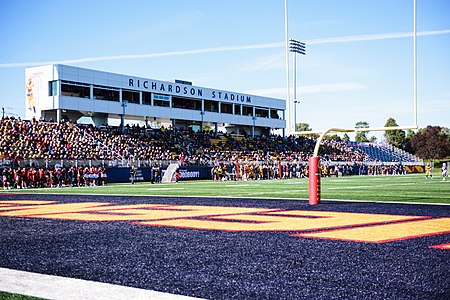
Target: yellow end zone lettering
345, 226
296, 220
388, 232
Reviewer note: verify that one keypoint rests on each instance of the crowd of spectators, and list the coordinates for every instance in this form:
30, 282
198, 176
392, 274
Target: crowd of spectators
47, 140
65, 140
233, 156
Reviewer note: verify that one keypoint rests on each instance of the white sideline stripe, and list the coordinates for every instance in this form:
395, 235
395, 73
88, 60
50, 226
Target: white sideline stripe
283, 192
164, 189
369, 186
56, 287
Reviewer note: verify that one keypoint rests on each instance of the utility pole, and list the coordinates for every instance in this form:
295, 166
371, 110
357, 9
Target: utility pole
124, 104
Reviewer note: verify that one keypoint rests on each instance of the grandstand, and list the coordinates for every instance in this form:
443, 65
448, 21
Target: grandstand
385, 152
40, 140
176, 113
66, 92
35, 142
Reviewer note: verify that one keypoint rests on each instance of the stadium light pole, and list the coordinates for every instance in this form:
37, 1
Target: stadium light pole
202, 113
124, 104
415, 62
296, 47
295, 114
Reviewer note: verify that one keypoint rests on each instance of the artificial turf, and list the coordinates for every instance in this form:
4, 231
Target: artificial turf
405, 188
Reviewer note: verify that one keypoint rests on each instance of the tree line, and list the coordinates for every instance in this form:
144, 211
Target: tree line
432, 142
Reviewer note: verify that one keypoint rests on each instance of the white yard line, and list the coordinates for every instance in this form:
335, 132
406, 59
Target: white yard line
56, 287
262, 193
165, 189
349, 187
369, 186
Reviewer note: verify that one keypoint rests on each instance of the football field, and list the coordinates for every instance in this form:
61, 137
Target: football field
230, 240
408, 188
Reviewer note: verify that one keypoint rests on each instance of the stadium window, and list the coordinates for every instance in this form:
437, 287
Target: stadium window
226, 108
196, 104
212, 106
275, 114
75, 89
105, 93
146, 98
130, 96
52, 88
186, 103
247, 110
262, 112
161, 100
161, 103
237, 109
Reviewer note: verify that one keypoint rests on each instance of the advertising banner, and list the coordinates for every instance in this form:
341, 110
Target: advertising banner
144, 174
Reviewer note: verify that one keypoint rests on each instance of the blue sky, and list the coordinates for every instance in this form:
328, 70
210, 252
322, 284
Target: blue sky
358, 67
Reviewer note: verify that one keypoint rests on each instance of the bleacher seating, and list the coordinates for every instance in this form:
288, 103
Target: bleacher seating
45, 140
384, 152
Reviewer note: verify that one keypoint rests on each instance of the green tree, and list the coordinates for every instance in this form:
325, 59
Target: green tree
431, 143
447, 132
408, 147
346, 138
302, 127
361, 136
396, 138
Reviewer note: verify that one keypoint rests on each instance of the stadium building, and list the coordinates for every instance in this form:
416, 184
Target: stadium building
65, 92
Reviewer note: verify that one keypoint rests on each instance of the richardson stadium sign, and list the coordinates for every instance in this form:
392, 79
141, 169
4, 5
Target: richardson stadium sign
189, 91
343, 226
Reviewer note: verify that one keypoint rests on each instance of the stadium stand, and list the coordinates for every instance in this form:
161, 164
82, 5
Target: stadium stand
48, 140
384, 152
37, 144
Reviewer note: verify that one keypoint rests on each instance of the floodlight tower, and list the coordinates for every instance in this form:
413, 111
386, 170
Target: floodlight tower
296, 47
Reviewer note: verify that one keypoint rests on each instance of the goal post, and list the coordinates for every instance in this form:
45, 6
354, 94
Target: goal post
314, 161
314, 170
314, 180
